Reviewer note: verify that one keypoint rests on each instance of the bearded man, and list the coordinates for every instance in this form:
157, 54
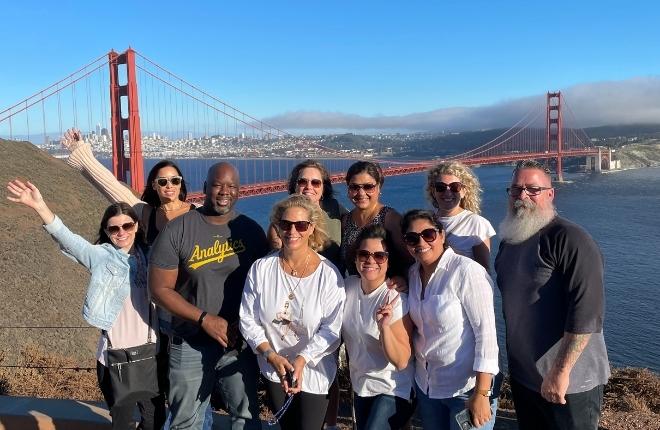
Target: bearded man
550, 274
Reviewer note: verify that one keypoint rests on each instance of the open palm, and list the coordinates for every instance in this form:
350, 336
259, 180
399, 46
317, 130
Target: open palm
25, 193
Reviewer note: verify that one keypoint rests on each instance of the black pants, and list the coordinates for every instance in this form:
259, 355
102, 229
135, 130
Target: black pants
152, 410
581, 411
306, 412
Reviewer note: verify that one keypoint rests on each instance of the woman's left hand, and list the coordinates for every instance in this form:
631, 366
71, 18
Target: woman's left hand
298, 366
479, 407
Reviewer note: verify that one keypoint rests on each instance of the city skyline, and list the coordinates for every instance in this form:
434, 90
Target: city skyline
362, 67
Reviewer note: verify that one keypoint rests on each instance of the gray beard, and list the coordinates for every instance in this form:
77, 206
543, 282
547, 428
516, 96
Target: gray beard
524, 221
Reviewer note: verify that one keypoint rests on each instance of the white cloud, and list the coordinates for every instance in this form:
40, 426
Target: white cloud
635, 100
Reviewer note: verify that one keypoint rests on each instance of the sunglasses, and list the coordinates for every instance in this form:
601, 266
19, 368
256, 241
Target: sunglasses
285, 225
412, 238
379, 256
516, 191
316, 183
368, 188
174, 180
454, 187
114, 229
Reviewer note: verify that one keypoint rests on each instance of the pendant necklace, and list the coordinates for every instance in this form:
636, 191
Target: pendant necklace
294, 272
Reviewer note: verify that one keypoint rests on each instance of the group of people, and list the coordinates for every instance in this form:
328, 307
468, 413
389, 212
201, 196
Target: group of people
410, 296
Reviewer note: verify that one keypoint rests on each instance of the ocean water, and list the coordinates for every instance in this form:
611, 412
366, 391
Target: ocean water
619, 209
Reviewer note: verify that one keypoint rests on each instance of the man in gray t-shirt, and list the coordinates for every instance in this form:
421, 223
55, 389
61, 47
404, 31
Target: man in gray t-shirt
198, 267
550, 274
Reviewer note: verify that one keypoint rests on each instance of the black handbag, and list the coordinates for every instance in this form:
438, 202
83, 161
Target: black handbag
133, 371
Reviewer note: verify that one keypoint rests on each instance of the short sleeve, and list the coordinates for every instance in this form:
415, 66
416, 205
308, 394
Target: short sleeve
166, 247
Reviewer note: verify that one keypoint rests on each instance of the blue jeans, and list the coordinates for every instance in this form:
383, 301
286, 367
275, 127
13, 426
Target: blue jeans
196, 366
441, 413
381, 412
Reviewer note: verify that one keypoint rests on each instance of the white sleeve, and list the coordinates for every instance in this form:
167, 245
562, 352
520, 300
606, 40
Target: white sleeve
252, 330
476, 295
326, 339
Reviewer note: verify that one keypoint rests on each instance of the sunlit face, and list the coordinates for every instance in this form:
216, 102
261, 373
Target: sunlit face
122, 238
310, 184
221, 189
426, 252
370, 269
169, 192
448, 201
363, 191
527, 203
291, 237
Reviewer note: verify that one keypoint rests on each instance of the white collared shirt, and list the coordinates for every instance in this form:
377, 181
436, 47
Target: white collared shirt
309, 325
454, 326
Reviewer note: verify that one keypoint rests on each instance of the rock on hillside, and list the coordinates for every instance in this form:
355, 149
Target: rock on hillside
39, 286
639, 155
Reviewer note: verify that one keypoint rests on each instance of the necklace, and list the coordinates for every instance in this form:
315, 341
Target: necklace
164, 209
295, 273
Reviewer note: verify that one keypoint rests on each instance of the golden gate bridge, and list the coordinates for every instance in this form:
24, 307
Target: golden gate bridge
133, 108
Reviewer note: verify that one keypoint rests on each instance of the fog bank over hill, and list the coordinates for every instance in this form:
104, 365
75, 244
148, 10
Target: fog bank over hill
631, 101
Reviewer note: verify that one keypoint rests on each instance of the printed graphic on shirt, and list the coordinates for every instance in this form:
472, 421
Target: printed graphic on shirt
287, 326
216, 253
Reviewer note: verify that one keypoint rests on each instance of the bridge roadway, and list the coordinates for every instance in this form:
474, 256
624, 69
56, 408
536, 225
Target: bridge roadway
263, 188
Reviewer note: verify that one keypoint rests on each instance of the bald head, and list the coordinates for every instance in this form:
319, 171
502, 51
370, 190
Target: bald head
221, 188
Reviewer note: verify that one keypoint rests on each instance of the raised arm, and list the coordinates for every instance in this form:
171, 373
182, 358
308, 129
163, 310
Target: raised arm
83, 159
395, 333
28, 194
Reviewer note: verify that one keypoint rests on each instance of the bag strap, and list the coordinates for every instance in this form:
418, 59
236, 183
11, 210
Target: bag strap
140, 262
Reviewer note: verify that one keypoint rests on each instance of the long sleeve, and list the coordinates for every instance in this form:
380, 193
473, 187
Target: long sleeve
252, 331
83, 159
73, 245
326, 339
476, 295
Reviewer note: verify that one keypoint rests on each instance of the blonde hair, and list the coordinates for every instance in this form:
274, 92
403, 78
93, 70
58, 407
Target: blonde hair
472, 189
319, 238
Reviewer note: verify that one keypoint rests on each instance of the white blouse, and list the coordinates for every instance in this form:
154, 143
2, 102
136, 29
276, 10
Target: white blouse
371, 373
309, 325
466, 230
454, 326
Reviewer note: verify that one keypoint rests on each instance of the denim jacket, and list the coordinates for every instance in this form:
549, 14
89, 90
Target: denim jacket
109, 284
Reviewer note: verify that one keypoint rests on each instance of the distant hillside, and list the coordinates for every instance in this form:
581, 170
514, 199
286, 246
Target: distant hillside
39, 286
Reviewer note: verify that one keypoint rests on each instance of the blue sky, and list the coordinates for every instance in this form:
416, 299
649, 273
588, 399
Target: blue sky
365, 58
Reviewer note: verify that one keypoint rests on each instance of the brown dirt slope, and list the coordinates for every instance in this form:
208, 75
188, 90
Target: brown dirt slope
39, 286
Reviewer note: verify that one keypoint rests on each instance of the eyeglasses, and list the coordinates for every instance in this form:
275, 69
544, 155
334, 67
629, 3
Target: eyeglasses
174, 180
285, 225
316, 183
516, 191
368, 188
454, 187
114, 229
412, 238
379, 256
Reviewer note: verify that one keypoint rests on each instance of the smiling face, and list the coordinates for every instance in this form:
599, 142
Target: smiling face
448, 202
169, 192
120, 237
293, 239
310, 184
363, 191
221, 188
369, 269
427, 253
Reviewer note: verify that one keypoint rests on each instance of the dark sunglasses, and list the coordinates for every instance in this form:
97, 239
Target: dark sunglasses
316, 183
379, 256
454, 187
285, 225
516, 191
357, 187
412, 238
174, 180
114, 229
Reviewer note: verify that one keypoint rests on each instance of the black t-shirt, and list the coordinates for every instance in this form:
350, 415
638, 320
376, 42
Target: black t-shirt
213, 261
553, 283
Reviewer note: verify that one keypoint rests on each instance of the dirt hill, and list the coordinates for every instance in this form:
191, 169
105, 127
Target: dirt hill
39, 286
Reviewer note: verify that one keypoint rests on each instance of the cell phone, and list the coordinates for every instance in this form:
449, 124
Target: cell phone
289, 379
464, 420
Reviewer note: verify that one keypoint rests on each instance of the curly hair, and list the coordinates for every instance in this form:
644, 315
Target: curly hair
472, 198
295, 175
320, 238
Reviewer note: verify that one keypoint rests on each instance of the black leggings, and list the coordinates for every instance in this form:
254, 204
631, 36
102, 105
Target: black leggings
306, 412
152, 410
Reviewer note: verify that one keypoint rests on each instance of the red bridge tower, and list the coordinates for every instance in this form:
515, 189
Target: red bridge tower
554, 138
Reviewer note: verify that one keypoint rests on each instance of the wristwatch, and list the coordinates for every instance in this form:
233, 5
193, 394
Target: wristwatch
267, 353
485, 393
